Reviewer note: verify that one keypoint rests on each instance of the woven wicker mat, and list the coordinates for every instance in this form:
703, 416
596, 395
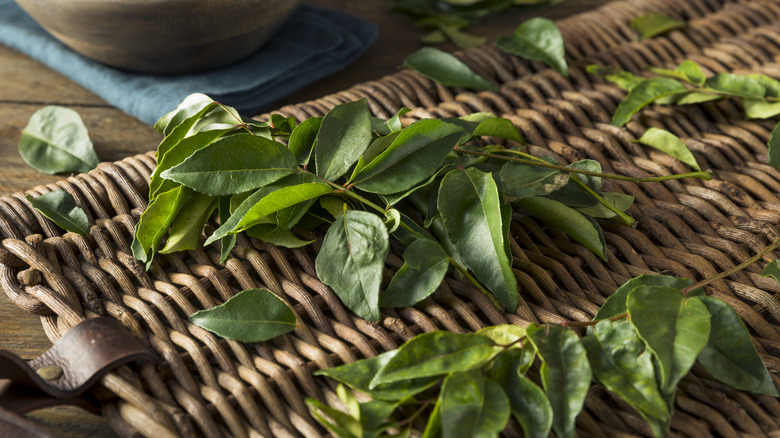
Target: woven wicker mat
211, 387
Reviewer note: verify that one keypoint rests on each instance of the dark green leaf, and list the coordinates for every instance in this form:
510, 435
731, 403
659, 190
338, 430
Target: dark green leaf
358, 375
61, 208
616, 303
730, 355
737, 85
470, 208
668, 143
435, 354
376, 148
566, 373
575, 196
463, 40
528, 403
619, 200
772, 269
302, 139
652, 24
538, 39
55, 140
416, 154
233, 164
487, 124
472, 406
374, 417
621, 362
228, 242
425, 264
675, 328
351, 261
155, 221
274, 235
446, 69
433, 427
522, 180
434, 37
187, 226
343, 137
643, 94
566, 219
253, 315
773, 150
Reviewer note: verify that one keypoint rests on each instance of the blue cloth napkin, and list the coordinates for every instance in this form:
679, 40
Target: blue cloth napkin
315, 42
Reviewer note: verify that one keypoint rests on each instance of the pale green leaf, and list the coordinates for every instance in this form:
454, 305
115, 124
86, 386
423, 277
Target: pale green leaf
670, 144
652, 24
55, 140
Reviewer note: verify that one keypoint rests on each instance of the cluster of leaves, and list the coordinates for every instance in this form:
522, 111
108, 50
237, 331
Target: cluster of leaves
359, 173
642, 342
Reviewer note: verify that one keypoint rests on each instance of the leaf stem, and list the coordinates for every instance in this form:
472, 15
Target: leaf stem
628, 220
541, 163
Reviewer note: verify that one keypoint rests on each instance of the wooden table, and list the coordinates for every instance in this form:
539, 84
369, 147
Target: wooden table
26, 86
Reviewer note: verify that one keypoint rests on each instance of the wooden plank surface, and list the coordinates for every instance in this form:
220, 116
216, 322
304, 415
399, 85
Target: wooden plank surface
26, 85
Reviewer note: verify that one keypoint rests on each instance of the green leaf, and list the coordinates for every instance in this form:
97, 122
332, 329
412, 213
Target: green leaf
538, 39
643, 94
374, 416
687, 71
187, 226
622, 79
760, 108
566, 219
522, 180
652, 24
393, 124
425, 264
619, 200
343, 137
302, 139
772, 269
55, 140
730, 355
342, 425
190, 106
433, 427
234, 164
156, 219
472, 406
252, 315
621, 362
463, 40
528, 403
668, 143
470, 209
616, 303
61, 208
572, 194
416, 154
566, 373
351, 261
773, 147
228, 242
737, 85
274, 235
504, 334
358, 375
446, 69
435, 354
675, 328
487, 124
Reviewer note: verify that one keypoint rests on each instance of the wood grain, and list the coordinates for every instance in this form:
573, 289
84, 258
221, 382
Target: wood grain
28, 85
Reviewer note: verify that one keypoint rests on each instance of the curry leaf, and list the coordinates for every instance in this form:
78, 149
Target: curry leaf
774, 147
688, 71
253, 315
187, 226
342, 425
277, 236
760, 108
737, 85
522, 180
616, 303
351, 261
643, 94
668, 143
344, 135
621, 201
566, 373
472, 405
55, 140
470, 208
155, 221
61, 208
538, 39
730, 355
446, 69
572, 194
302, 139
652, 24
425, 264
234, 164
189, 107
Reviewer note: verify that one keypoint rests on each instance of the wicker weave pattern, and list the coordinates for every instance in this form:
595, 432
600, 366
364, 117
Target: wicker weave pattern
212, 387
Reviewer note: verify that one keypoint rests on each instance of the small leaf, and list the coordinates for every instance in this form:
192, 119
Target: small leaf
621, 362
575, 196
358, 375
61, 208
737, 85
472, 406
470, 208
156, 220
773, 147
462, 40
620, 201
566, 373
187, 226
234, 164
425, 264
302, 139
487, 124
668, 143
342, 425
434, 354
344, 135
566, 219
730, 355
772, 269
523, 181
276, 236
616, 303
252, 315
55, 140
538, 39
504, 334
528, 403
622, 79
760, 108
351, 261
643, 94
652, 24
191, 105
688, 71
446, 69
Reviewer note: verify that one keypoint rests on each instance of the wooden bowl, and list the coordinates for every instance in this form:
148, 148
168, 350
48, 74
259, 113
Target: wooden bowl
161, 36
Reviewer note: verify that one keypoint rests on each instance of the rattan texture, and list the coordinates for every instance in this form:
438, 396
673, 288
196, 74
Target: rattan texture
206, 386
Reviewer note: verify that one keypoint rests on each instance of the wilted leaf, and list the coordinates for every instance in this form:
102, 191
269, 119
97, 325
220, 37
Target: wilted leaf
61, 208
55, 140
